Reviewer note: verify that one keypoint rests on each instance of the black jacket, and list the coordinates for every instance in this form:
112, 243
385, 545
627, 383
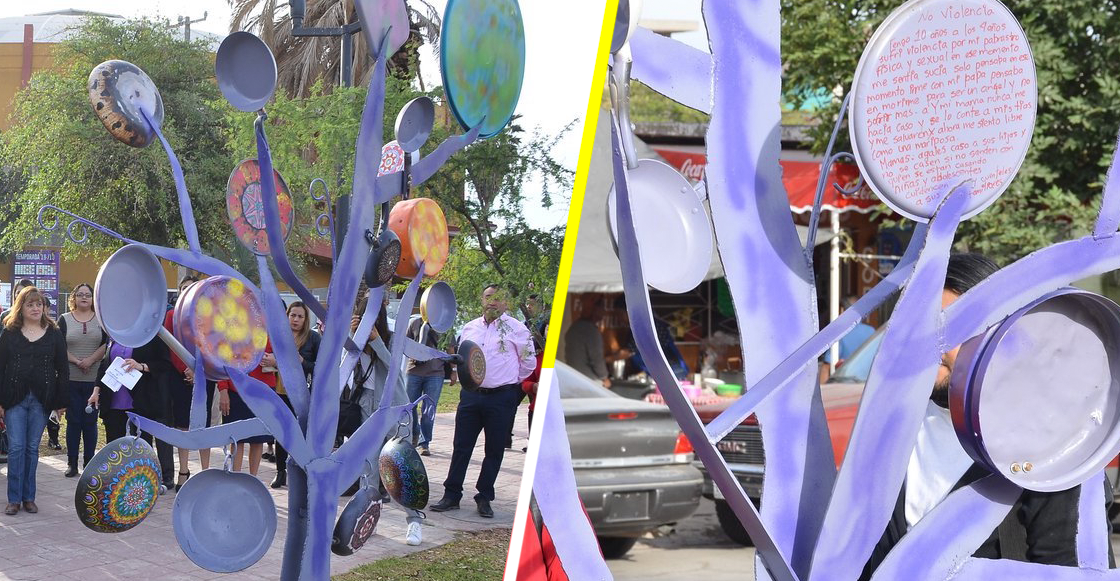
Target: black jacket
309, 352
45, 360
151, 397
1041, 528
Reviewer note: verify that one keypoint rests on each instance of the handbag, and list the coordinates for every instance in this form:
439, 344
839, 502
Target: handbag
3, 446
349, 410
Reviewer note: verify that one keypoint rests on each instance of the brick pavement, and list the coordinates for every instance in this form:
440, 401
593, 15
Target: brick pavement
54, 545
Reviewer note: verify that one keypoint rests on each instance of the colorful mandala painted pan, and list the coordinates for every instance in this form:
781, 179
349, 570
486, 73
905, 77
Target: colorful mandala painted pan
225, 320
422, 228
357, 522
392, 159
482, 57
245, 207
119, 486
403, 474
117, 90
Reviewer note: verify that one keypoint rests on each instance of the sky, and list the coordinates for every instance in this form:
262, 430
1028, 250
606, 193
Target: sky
561, 38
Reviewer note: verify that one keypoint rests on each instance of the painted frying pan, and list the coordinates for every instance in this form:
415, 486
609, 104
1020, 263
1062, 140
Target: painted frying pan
224, 521
438, 307
119, 486
130, 296
117, 91
383, 16
246, 71
482, 59
384, 256
1036, 398
245, 208
357, 521
672, 226
403, 473
392, 159
422, 229
224, 320
471, 365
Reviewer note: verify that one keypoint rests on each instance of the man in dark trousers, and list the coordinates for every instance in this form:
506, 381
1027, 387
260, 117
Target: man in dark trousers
508, 348
1041, 528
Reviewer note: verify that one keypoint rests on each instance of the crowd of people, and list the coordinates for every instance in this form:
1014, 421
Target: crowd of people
50, 367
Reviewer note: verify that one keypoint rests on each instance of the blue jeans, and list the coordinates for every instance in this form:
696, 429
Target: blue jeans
80, 426
431, 386
25, 422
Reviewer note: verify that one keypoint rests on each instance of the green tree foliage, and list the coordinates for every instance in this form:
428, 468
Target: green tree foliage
1076, 46
63, 155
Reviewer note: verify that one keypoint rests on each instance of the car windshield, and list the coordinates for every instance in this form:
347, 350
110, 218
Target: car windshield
574, 384
856, 368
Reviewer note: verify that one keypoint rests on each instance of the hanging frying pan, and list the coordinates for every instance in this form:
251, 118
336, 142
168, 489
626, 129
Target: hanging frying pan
224, 321
119, 486
384, 255
438, 307
482, 60
392, 159
245, 208
414, 123
246, 71
224, 521
403, 473
358, 520
626, 20
422, 229
383, 16
471, 365
130, 296
1036, 398
117, 91
672, 226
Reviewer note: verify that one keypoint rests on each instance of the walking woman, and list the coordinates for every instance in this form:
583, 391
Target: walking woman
234, 408
34, 375
85, 348
307, 341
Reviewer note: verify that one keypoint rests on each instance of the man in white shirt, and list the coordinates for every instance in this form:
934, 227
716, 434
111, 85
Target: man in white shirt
508, 348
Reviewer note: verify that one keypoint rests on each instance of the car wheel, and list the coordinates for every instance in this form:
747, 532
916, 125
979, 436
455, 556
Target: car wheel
616, 547
731, 525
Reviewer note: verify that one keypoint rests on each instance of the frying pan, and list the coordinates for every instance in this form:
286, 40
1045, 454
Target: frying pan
414, 123
438, 307
422, 229
626, 20
224, 320
119, 486
482, 61
358, 520
246, 71
130, 299
1036, 398
224, 521
392, 159
471, 365
245, 208
383, 16
384, 255
117, 91
673, 230
403, 473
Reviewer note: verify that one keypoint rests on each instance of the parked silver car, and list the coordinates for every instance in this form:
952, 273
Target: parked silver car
633, 466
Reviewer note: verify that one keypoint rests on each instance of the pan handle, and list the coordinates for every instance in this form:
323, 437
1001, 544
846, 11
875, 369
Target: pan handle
620, 101
172, 343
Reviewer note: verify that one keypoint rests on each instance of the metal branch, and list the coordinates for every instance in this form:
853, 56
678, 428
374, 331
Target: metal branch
78, 228
213, 437
324, 224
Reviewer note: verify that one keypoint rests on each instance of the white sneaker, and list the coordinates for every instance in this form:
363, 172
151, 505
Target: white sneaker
413, 535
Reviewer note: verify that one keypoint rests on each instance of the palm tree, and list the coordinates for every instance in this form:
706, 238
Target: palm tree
303, 60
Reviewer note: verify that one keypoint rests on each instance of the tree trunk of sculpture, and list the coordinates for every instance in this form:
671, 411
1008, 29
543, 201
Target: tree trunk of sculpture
297, 523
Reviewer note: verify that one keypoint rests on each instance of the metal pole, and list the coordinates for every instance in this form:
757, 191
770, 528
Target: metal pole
347, 59
834, 283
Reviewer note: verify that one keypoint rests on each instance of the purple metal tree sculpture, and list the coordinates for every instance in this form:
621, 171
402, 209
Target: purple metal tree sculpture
938, 145
482, 88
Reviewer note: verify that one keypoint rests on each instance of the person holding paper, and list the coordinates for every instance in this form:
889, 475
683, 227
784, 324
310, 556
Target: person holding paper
34, 375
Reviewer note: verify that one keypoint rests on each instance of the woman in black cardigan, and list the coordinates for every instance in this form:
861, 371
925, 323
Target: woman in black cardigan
307, 341
34, 371
150, 397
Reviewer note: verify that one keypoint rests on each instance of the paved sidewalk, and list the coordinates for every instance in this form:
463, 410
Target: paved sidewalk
54, 545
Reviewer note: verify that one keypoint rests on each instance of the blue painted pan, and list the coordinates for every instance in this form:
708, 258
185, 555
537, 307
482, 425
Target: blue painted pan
246, 71
438, 307
224, 521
